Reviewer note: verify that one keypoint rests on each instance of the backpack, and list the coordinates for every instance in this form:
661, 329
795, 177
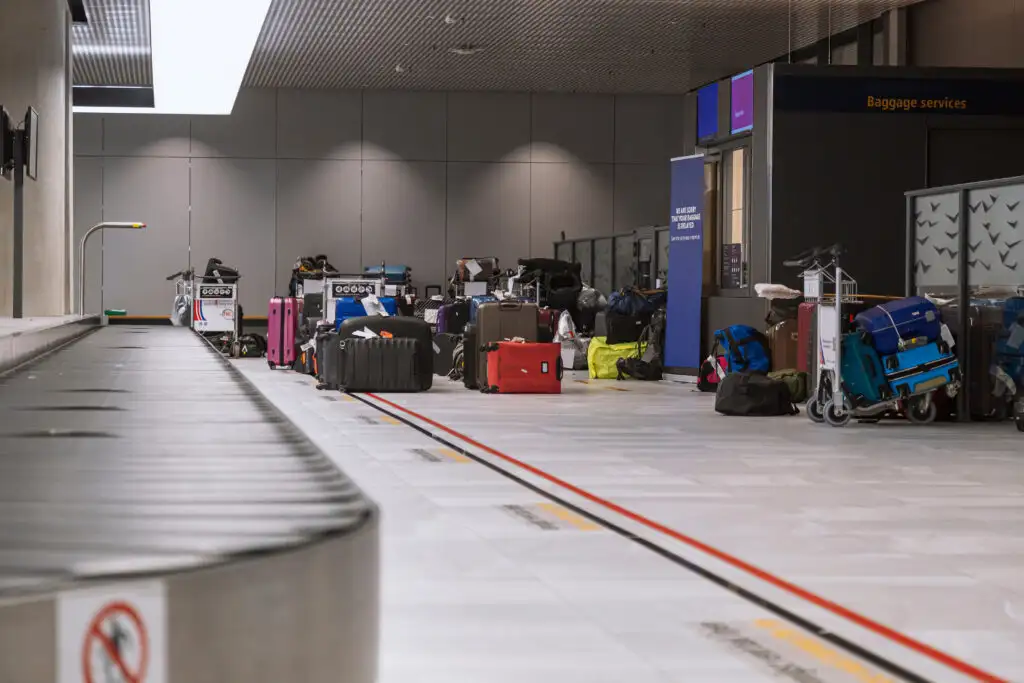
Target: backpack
252, 346
636, 368
745, 348
753, 393
796, 381
629, 301
711, 372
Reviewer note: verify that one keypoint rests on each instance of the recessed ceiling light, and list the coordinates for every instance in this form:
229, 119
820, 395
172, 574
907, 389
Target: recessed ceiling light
465, 50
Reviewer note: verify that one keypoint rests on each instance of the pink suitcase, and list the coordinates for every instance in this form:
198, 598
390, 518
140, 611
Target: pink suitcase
282, 328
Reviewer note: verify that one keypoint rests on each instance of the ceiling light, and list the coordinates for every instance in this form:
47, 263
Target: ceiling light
201, 50
465, 50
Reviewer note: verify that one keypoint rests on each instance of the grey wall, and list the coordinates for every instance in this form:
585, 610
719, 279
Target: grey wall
420, 178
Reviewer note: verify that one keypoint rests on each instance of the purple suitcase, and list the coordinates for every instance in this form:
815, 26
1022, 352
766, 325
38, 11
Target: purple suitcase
282, 329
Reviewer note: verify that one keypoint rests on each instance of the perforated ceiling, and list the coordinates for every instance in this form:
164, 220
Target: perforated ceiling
113, 48
622, 46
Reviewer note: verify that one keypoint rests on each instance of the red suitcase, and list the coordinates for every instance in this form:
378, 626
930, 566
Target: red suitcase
807, 337
523, 368
282, 328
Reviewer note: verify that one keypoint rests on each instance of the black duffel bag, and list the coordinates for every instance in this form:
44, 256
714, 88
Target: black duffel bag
753, 393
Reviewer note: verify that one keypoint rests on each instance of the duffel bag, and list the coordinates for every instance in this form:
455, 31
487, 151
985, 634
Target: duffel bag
603, 358
753, 393
796, 381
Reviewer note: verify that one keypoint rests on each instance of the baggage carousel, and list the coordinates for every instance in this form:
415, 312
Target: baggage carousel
137, 456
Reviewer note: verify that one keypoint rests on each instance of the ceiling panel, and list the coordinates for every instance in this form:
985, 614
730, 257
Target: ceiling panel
602, 46
114, 47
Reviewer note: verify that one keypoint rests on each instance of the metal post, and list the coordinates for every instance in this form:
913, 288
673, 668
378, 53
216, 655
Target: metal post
18, 257
963, 350
81, 255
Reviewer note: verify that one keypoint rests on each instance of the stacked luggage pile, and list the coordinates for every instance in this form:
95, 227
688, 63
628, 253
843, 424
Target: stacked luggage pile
899, 356
494, 341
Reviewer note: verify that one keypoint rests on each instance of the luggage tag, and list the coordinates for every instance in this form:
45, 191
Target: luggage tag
365, 333
308, 346
1016, 336
473, 267
437, 349
947, 336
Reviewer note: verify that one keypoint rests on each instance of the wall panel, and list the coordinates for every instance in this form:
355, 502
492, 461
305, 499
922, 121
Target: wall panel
404, 125
318, 207
574, 198
88, 212
233, 218
319, 124
137, 262
488, 212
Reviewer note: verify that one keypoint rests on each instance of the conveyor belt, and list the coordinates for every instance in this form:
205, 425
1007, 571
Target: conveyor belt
140, 450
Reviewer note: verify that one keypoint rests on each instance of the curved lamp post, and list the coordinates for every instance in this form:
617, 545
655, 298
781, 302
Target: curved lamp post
81, 255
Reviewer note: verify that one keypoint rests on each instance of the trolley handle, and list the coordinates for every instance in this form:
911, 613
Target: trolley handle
806, 259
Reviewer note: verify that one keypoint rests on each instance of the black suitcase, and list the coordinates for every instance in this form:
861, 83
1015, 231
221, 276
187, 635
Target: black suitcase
987, 402
444, 350
625, 329
397, 327
313, 307
470, 357
384, 365
328, 360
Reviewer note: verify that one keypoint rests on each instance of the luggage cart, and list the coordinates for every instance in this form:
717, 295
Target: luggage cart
215, 310
181, 314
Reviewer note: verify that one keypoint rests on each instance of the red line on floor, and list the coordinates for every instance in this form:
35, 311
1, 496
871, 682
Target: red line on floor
791, 588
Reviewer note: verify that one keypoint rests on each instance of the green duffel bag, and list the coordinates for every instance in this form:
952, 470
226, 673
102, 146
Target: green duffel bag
796, 381
602, 357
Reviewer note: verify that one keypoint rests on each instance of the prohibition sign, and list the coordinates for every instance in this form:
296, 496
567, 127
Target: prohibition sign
116, 643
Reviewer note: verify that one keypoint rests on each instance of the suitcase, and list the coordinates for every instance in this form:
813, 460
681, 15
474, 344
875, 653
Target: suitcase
313, 306
347, 307
395, 328
282, 329
987, 400
547, 321
470, 357
517, 368
784, 339
444, 350
922, 369
328, 354
393, 275
807, 338
452, 318
624, 329
864, 380
498, 321
475, 303
903, 320
384, 364
487, 264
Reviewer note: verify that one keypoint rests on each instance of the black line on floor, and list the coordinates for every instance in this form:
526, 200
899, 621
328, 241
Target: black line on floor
748, 595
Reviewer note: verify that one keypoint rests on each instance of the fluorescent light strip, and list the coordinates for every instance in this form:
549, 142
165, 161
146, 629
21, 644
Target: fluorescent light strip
201, 49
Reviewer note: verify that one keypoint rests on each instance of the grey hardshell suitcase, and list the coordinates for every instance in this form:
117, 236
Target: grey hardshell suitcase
383, 365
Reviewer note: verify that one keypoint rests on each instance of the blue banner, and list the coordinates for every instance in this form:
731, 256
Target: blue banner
685, 264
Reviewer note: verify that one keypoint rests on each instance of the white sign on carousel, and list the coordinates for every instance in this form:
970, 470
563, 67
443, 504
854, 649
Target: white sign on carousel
214, 307
115, 634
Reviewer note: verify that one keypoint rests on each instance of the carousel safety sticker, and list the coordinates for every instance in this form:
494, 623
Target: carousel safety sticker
113, 635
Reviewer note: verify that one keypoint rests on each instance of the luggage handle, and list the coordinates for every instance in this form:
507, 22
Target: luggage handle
430, 288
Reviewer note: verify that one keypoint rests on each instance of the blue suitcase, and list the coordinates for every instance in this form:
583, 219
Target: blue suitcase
475, 302
864, 381
913, 318
349, 307
922, 369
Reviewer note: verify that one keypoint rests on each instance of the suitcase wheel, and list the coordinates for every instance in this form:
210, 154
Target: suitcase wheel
559, 370
270, 363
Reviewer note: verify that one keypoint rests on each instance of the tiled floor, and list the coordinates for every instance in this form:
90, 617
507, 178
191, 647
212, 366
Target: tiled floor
918, 528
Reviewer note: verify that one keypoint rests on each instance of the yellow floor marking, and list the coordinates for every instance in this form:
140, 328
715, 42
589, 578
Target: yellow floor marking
561, 513
821, 652
454, 455
387, 419
348, 398
582, 381
616, 389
